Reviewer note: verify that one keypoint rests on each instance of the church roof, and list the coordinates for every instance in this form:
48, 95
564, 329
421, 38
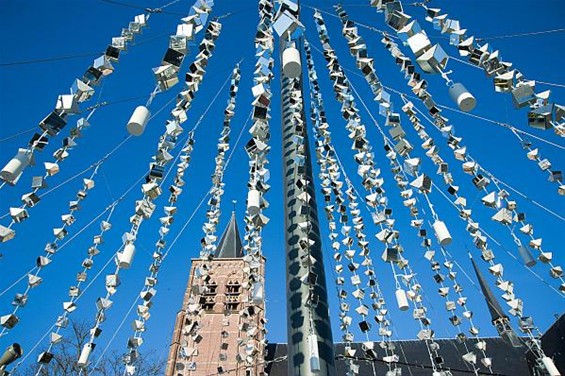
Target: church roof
414, 359
230, 243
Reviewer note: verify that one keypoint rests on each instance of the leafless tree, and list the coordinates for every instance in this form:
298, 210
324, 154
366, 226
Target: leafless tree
67, 351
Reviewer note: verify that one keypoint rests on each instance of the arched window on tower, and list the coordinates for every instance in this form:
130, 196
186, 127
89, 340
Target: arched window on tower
208, 297
233, 291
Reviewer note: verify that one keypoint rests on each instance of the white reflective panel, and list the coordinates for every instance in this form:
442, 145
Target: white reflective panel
186, 31
433, 60
67, 103
285, 22
104, 65
81, 91
419, 43
9, 321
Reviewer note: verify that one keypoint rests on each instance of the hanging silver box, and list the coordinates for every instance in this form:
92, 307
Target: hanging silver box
398, 20
104, 65
127, 34
456, 37
409, 30
419, 43
9, 321
185, 31
434, 60
390, 7
119, 43
523, 94
504, 82
134, 27
166, 76
18, 214
286, 23
53, 123
30, 199
541, 117
178, 43
81, 90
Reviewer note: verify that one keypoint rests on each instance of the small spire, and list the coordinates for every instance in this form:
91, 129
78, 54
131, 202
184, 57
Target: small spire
499, 319
496, 311
230, 243
233, 203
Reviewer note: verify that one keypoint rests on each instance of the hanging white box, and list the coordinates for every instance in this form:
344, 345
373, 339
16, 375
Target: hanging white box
138, 121
9, 321
253, 202
314, 354
13, 170
285, 22
401, 299
464, 99
434, 60
141, 19
85, 354
291, 62
67, 103
258, 295
419, 43
185, 30
442, 234
550, 366
6, 234
125, 258
526, 256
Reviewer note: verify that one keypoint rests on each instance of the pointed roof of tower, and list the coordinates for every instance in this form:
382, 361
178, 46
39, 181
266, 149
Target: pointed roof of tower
496, 311
230, 243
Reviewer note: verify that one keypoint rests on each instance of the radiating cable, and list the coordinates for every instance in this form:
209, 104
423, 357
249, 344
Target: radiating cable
500, 245
116, 331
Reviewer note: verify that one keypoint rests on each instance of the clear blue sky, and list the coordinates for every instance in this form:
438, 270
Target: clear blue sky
43, 29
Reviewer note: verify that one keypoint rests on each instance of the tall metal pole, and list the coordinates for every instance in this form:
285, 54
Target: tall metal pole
310, 342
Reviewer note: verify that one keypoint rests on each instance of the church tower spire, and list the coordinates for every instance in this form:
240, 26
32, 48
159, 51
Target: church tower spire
498, 318
230, 242
208, 326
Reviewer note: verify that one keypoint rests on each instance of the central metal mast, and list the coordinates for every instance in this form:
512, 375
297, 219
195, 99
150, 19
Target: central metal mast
310, 342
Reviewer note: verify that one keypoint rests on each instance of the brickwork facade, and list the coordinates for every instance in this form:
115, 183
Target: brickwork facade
215, 348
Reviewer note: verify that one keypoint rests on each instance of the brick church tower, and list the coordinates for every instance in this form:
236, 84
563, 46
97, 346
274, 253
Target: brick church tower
210, 343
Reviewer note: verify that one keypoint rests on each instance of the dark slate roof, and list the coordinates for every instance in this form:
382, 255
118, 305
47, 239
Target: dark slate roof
494, 307
553, 343
414, 359
230, 243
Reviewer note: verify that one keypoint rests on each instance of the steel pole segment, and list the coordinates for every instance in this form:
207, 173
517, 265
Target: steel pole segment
308, 322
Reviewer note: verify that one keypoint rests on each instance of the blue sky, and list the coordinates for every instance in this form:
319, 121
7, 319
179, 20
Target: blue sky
32, 30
